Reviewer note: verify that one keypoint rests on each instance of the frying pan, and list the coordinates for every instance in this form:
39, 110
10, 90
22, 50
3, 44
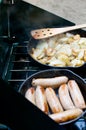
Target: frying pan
33, 43
53, 73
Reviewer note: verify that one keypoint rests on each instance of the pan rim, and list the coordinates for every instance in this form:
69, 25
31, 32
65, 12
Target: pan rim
53, 69
46, 70
50, 66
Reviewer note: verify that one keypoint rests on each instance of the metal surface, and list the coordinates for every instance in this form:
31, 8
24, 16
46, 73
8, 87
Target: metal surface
8, 1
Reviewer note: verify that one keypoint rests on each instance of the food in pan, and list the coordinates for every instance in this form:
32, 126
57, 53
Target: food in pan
30, 95
62, 103
50, 82
61, 50
76, 94
53, 100
66, 115
65, 98
41, 101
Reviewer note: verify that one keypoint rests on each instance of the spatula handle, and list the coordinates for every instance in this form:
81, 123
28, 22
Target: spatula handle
48, 32
75, 27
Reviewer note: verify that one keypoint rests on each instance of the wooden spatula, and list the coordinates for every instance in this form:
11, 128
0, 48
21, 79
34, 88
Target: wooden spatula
48, 32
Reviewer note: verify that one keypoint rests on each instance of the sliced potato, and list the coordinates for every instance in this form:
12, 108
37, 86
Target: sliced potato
61, 50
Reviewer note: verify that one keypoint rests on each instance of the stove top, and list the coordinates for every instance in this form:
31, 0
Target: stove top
20, 67
23, 18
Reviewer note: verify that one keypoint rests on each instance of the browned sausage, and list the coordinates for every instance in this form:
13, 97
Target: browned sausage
66, 115
76, 94
30, 95
65, 97
41, 101
50, 82
53, 100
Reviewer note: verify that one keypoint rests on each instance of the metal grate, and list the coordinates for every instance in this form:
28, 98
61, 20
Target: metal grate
19, 65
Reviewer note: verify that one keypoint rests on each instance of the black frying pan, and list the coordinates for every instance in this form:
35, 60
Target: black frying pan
33, 43
53, 73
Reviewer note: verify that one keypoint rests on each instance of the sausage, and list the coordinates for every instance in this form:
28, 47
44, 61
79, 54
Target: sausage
66, 115
30, 95
50, 82
41, 101
53, 100
65, 98
76, 94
